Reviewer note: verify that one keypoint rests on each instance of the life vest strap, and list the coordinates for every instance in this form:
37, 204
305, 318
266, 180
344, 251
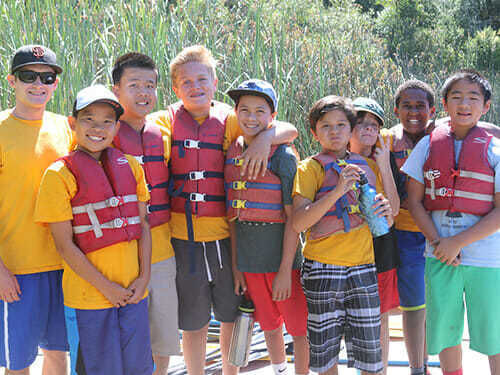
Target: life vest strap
119, 222
110, 202
201, 197
242, 204
198, 175
448, 192
148, 159
244, 185
157, 207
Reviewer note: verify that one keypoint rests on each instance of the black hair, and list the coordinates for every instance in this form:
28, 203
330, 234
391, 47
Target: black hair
132, 60
331, 103
470, 75
417, 85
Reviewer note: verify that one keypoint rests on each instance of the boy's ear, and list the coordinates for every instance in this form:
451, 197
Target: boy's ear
11, 79
432, 112
274, 114
71, 121
445, 106
396, 112
314, 134
115, 90
175, 90
486, 107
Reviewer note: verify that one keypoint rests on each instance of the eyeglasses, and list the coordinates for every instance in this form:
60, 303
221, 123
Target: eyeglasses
29, 76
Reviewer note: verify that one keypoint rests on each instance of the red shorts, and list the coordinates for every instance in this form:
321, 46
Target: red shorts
388, 290
271, 314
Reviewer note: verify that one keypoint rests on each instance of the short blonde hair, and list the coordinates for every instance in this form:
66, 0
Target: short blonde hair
196, 53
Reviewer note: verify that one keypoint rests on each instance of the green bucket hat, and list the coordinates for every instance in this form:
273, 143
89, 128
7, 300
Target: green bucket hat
369, 105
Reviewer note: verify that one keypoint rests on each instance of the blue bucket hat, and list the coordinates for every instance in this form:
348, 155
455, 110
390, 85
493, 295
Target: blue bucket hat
256, 87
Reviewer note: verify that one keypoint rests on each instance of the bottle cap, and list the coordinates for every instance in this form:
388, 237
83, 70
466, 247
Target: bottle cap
247, 306
362, 179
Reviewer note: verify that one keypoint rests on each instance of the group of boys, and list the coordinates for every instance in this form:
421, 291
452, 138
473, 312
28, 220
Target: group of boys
162, 218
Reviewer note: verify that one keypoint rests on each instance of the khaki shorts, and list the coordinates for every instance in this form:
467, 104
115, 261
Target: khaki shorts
163, 305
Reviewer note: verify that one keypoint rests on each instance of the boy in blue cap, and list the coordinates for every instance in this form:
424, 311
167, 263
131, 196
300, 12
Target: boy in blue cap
266, 261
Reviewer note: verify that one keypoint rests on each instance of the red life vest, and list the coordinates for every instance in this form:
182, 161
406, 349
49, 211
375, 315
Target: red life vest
345, 214
468, 187
197, 161
257, 200
105, 208
148, 149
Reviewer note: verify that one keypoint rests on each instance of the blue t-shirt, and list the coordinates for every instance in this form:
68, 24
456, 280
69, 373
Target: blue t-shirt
482, 253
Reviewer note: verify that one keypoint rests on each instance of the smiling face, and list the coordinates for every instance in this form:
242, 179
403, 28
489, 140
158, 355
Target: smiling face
365, 133
465, 104
136, 92
95, 127
414, 111
195, 86
333, 132
32, 96
254, 115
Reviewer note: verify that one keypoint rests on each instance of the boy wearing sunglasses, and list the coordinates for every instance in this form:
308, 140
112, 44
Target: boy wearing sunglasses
31, 304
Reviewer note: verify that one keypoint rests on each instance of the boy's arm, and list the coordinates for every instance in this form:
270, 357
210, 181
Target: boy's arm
139, 285
307, 213
240, 285
256, 155
449, 247
416, 192
382, 156
62, 232
282, 284
9, 287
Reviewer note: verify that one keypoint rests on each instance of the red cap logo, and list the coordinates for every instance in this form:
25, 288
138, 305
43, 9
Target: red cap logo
38, 52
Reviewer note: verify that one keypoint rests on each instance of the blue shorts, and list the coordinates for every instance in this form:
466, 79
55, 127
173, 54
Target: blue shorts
411, 284
110, 341
36, 320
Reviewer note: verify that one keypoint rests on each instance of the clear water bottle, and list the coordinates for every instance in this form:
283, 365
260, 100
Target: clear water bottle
242, 334
378, 225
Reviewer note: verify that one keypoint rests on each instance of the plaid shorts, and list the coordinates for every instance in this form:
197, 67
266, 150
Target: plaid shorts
342, 301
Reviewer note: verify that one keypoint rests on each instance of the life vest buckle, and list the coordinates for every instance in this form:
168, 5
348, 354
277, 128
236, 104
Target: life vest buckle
140, 159
432, 174
238, 162
119, 222
341, 163
445, 192
197, 197
239, 185
191, 143
115, 201
197, 175
353, 209
237, 203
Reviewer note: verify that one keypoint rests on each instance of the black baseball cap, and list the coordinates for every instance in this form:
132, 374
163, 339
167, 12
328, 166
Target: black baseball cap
34, 54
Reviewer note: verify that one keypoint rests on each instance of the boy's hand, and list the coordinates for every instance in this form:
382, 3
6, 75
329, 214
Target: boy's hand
9, 287
240, 285
256, 155
138, 288
282, 286
447, 251
382, 207
382, 153
347, 178
116, 294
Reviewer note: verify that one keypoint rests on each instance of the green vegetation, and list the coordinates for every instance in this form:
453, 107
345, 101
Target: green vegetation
306, 48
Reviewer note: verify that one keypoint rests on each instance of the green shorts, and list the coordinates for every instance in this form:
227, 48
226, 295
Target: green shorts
447, 288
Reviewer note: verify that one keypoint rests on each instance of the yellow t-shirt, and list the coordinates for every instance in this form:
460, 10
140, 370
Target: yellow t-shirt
404, 220
27, 148
118, 263
160, 235
344, 249
205, 228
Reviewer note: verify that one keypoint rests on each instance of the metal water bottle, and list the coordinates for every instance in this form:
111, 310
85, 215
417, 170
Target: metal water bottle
378, 225
242, 334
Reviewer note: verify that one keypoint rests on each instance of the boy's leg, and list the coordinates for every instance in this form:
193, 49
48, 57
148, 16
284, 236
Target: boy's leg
494, 364
135, 339
362, 332
36, 320
411, 288
445, 312
275, 345
194, 344
163, 314
225, 302
54, 362
324, 287
384, 339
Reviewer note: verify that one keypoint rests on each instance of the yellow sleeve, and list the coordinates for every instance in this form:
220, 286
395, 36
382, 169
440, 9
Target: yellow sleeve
166, 133
142, 188
308, 179
378, 184
232, 132
57, 188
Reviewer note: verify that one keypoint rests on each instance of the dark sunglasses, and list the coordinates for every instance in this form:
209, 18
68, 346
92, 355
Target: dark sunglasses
29, 76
